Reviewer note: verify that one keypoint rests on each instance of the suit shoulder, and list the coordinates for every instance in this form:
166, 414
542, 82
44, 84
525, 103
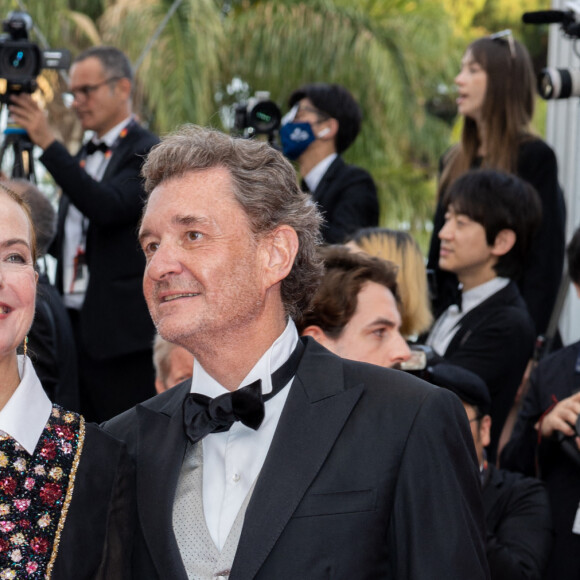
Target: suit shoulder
535, 151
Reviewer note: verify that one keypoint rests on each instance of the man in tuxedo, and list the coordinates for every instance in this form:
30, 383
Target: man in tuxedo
355, 311
100, 266
323, 122
490, 220
279, 459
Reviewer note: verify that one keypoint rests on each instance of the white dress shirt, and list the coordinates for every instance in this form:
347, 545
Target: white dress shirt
26, 414
315, 175
95, 166
447, 325
232, 460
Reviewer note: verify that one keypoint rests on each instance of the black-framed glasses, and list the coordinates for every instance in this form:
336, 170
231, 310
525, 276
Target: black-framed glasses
86, 90
506, 36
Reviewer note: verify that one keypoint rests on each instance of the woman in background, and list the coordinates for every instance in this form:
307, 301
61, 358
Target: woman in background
496, 87
400, 248
65, 487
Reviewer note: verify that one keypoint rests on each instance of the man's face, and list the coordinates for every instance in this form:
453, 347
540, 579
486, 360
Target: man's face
464, 249
204, 274
373, 335
180, 363
99, 104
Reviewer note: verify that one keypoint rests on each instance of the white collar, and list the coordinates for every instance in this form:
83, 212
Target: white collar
111, 135
315, 175
270, 361
25, 415
475, 296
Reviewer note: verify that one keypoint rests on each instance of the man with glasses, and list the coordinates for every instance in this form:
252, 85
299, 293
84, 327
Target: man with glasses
324, 120
100, 266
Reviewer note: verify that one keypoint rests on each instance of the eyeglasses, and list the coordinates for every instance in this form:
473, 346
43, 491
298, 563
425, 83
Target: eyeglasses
86, 90
506, 36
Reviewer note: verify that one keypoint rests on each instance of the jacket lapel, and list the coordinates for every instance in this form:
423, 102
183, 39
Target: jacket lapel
326, 189
315, 412
161, 447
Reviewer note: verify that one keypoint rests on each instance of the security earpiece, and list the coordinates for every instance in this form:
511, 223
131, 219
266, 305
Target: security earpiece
324, 132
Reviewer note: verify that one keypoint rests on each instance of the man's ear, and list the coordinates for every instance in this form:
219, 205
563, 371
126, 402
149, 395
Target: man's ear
484, 430
281, 247
124, 85
318, 335
504, 242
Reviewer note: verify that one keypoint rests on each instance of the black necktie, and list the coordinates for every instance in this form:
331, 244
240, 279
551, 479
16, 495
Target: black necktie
203, 415
92, 147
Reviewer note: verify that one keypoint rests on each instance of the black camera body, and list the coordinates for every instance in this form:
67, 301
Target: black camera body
259, 116
21, 61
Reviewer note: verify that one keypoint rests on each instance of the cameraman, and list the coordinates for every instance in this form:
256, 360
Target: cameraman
545, 439
99, 263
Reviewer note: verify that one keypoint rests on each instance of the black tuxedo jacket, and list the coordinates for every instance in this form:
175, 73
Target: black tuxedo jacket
371, 474
555, 377
347, 197
114, 319
495, 340
97, 535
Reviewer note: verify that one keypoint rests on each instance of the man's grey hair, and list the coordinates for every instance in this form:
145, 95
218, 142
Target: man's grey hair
115, 63
161, 351
264, 184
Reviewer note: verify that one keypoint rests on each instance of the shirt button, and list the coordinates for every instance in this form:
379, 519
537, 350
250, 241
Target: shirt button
236, 477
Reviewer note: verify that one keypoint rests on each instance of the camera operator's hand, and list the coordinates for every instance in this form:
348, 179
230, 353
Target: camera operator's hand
26, 113
562, 418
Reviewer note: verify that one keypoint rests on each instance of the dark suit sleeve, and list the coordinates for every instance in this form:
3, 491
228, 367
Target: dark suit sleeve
519, 547
117, 200
437, 528
539, 285
354, 208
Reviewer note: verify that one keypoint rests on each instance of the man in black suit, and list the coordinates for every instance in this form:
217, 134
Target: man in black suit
490, 219
517, 509
545, 440
100, 266
323, 122
326, 468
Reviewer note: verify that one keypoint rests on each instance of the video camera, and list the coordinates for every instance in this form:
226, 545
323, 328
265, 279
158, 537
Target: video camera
259, 116
21, 61
559, 83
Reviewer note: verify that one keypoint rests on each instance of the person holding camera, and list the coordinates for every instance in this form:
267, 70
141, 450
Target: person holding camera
100, 266
496, 91
546, 440
323, 122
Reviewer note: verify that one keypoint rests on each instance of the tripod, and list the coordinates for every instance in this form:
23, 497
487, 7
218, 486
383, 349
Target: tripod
17, 139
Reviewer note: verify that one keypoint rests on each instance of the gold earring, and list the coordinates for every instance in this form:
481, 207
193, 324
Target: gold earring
25, 345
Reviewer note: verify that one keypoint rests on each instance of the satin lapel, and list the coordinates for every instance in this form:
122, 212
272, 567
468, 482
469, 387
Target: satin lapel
119, 154
162, 444
314, 415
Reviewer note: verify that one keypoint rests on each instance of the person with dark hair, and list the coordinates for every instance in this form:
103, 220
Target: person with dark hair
490, 220
323, 122
279, 459
173, 364
546, 440
497, 86
355, 311
51, 343
99, 265
517, 509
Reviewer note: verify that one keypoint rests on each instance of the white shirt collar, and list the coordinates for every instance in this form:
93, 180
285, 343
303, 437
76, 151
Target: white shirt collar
25, 415
315, 175
110, 136
475, 296
270, 361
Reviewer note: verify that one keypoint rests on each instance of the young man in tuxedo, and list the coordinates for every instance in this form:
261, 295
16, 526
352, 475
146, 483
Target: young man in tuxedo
279, 459
355, 311
323, 122
100, 266
489, 222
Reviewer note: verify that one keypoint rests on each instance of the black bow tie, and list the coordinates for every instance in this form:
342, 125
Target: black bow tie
203, 415
92, 147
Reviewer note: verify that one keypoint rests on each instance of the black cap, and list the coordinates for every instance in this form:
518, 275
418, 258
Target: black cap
468, 386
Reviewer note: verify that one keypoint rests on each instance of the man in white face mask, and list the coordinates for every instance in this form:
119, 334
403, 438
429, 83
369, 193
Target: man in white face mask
323, 122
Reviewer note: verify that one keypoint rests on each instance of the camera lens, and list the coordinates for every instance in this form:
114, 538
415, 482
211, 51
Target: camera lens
17, 59
559, 83
265, 117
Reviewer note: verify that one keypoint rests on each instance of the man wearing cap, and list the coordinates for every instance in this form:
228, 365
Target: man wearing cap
517, 511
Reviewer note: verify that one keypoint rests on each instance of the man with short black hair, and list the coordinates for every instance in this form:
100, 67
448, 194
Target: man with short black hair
489, 222
323, 122
99, 264
355, 311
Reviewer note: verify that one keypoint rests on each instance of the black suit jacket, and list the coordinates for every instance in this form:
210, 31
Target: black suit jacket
555, 378
519, 525
371, 474
114, 319
98, 532
495, 340
347, 197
